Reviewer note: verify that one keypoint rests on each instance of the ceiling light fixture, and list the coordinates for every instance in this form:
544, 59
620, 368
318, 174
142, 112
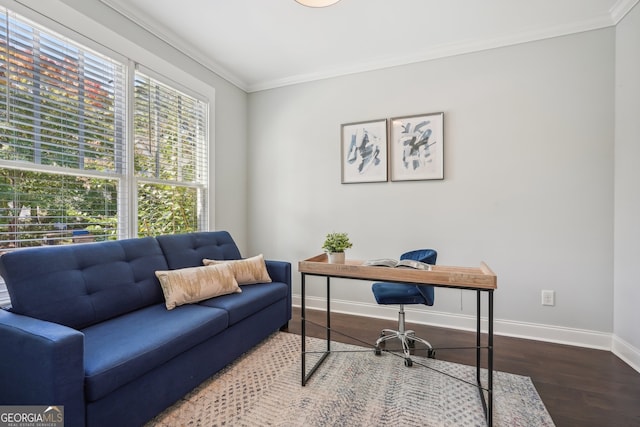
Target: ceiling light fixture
317, 3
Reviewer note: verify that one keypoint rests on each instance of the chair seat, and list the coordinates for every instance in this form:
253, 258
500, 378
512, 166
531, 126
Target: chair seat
401, 294
397, 293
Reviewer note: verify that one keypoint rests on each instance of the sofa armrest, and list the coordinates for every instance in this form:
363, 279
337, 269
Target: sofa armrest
41, 363
280, 271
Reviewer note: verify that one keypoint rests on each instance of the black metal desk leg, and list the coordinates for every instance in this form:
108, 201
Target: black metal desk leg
307, 375
303, 330
487, 402
478, 337
328, 313
490, 366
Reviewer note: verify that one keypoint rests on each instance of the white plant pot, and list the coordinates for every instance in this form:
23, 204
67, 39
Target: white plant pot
336, 257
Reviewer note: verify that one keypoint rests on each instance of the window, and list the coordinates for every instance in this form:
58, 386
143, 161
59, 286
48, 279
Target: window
170, 130
72, 167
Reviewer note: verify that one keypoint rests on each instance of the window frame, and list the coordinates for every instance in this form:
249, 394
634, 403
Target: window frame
127, 209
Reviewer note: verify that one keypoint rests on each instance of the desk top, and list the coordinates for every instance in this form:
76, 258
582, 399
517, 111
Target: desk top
481, 278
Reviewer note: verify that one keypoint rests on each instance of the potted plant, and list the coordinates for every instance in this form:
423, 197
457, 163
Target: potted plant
334, 245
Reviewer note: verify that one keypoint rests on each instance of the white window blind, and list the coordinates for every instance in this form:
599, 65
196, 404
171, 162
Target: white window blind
170, 129
61, 138
64, 101
65, 145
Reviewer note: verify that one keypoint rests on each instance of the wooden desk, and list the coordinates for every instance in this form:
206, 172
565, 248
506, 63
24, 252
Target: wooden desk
480, 279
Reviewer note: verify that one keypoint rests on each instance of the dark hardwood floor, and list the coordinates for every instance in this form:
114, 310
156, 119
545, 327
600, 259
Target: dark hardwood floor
579, 386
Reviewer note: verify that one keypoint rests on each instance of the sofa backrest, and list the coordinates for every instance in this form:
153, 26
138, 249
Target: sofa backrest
83, 284
188, 250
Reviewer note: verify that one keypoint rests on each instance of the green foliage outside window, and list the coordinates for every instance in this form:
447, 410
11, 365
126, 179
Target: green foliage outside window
164, 209
63, 154
40, 208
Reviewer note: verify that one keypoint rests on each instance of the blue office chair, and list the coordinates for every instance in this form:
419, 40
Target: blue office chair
400, 293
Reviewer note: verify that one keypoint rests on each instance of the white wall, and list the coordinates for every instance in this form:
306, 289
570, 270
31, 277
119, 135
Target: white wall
627, 192
528, 182
102, 26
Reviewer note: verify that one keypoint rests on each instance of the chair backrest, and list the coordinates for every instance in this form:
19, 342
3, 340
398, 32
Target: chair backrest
427, 256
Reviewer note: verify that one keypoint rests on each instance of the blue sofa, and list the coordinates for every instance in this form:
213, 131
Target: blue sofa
88, 327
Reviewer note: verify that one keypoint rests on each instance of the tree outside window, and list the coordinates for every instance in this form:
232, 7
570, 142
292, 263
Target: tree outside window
64, 175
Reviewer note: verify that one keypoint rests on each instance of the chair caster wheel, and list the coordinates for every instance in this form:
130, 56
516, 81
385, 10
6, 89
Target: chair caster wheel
411, 343
408, 362
431, 354
377, 351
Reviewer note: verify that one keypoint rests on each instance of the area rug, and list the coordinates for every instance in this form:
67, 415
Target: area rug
353, 387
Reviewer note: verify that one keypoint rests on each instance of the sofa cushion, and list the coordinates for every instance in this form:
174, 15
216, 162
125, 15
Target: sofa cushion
80, 285
188, 250
247, 271
252, 300
120, 350
193, 284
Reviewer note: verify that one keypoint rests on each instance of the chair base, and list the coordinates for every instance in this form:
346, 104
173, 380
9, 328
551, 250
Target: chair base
408, 339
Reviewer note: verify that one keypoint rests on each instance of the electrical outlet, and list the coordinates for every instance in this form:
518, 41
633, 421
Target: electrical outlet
548, 298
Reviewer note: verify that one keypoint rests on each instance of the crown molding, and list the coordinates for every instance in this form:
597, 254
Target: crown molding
176, 42
620, 9
616, 13
444, 51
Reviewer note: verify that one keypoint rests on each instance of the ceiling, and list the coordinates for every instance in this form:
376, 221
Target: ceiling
261, 44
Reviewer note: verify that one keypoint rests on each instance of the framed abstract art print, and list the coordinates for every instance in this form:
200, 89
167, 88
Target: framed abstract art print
416, 147
364, 151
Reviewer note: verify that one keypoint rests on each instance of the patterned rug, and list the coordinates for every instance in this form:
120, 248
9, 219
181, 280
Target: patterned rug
352, 388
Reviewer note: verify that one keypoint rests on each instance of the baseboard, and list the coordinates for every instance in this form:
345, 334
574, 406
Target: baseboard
626, 352
533, 331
